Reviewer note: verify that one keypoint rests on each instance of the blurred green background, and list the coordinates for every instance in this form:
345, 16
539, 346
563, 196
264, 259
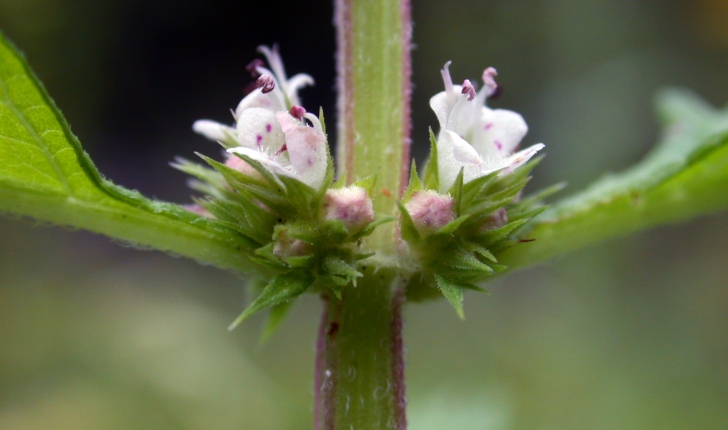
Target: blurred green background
629, 334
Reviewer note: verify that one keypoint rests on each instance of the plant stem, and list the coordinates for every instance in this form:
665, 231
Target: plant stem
362, 384
373, 62
360, 368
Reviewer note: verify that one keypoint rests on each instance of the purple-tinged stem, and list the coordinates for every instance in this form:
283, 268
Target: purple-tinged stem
319, 375
399, 386
361, 385
374, 101
406, 20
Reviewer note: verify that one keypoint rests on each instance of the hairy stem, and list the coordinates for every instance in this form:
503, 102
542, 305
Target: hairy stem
361, 385
363, 380
373, 62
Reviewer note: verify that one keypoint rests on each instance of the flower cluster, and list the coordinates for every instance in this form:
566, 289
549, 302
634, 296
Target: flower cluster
276, 189
468, 209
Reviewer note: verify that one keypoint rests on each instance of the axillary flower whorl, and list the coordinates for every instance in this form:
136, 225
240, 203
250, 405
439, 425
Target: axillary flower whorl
468, 206
276, 189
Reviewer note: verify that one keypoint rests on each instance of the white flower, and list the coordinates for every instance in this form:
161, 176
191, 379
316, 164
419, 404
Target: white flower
473, 137
272, 128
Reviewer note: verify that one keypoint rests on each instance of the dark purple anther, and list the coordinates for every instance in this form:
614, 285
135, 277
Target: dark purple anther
266, 83
297, 112
468, 89
252, 67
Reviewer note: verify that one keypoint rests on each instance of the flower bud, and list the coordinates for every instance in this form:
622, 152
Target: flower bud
286, 246
351, 205
430, 210
495, 220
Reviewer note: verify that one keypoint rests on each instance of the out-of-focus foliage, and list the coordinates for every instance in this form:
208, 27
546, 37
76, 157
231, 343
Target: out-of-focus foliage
685, 175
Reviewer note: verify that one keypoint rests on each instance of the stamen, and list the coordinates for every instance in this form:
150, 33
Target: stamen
297, 112
496, 93
445, 72
493, 89
266, 83
489, 75
252, 67
314, 121
468, 89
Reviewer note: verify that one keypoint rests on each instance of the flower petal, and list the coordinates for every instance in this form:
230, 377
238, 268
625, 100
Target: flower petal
213, 130
257, 99
498, 132
306, 149
453, 154
294, 84
439, 104
258, 129
520, 158
267, 161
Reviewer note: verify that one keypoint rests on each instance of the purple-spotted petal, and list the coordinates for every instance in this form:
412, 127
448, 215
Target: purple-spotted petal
498, 132
258, 129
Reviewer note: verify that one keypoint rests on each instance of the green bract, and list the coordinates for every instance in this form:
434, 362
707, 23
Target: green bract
284, 217
488, 215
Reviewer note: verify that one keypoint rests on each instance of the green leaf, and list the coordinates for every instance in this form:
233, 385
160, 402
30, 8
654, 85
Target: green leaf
366, 231
432, 174
685, 176
276, 316
453, 293
449, 228
409, 231
500, 233
322, 120
200, 172
45, 174
414, 183
338, 268
456, 191
282, 288
463, 260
